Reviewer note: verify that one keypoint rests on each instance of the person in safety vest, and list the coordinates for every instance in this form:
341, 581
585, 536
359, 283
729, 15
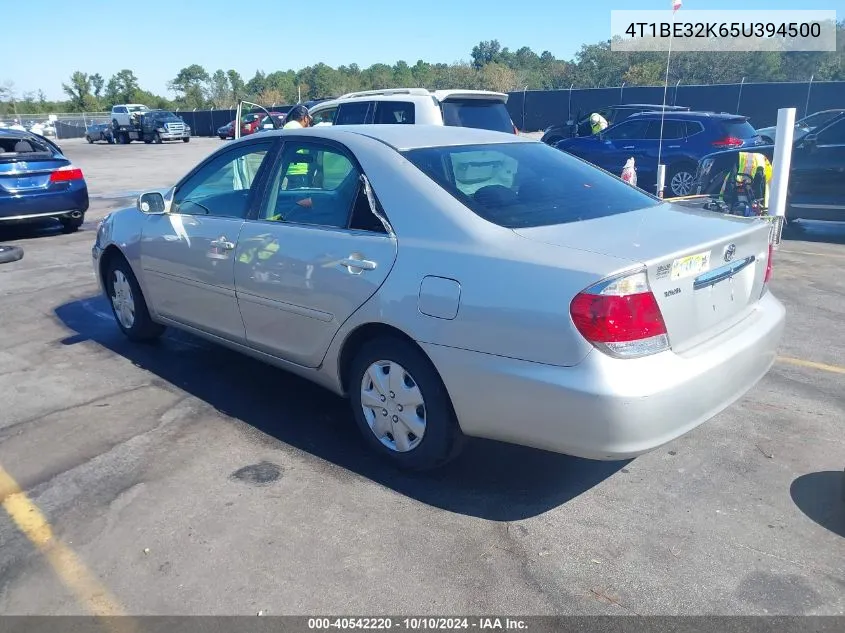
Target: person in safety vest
754, 171
597, 123
297, 173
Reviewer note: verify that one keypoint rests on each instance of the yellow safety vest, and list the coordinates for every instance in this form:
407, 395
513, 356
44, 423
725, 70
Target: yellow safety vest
599, 125
750, 164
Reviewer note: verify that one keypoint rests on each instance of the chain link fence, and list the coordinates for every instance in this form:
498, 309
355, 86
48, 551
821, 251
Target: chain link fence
57, 126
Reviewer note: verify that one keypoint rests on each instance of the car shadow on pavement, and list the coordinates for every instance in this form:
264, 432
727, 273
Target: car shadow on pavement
821, 496
812, 231
38, 229
490, 480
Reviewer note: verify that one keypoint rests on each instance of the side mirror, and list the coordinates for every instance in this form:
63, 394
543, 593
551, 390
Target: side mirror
151, 203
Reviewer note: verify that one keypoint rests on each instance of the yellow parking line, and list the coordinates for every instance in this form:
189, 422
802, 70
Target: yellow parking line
67, 565
835, 369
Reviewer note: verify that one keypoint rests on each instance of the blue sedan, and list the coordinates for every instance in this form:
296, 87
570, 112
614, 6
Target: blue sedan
37, 181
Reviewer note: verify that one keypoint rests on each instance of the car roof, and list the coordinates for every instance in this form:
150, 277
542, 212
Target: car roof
20, 134
692, 114
650, 105
406, 94
407, 137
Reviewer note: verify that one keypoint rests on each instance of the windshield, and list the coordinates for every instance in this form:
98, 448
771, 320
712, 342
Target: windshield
477, 113
521, 185
140, 108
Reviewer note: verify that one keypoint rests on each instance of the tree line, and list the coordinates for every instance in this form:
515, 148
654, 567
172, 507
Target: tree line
490, 67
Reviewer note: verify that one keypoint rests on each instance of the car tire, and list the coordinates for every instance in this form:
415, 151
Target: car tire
157, 139
128, 304
222, 138
9, 254
71, 225
89, 139
187, 139
681, 180
441, 440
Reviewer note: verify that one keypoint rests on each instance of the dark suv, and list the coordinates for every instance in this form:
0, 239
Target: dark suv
687, 137
613, 114
816, 173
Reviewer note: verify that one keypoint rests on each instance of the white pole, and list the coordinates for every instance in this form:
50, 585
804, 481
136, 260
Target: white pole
782, 161
660, 166
661, 180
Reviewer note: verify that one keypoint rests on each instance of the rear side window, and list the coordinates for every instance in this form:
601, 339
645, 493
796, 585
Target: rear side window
636, 129
694, 127
394, 112
486, 115
672, 130
738, 128
520, 185
354, 113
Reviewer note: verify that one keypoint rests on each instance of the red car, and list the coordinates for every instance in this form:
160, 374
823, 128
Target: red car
257, 120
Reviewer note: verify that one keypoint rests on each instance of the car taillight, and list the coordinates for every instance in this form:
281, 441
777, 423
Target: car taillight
621, 317
66, 174
728, 141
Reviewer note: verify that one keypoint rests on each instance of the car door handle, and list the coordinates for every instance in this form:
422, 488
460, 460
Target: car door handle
223, 243
674, 146
629, 147
360, 264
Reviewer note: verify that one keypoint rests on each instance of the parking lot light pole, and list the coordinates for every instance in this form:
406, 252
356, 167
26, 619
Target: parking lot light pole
780, 166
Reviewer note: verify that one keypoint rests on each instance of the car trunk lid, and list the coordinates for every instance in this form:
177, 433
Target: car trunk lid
706, 270
19, 175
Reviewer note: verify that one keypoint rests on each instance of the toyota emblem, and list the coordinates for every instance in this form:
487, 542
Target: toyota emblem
730, 250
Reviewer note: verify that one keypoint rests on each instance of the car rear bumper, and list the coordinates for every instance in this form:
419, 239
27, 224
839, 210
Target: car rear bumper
43, 204
605, 408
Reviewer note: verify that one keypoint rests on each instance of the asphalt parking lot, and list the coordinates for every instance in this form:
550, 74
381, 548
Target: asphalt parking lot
181, 478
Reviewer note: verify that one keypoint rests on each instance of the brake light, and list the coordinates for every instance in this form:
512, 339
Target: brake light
66, 174
728, 141
621, 317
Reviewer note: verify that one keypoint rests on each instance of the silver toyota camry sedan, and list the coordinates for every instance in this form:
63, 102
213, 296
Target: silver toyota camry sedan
454, 282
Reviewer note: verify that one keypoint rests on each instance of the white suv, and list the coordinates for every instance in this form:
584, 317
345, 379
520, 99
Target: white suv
123, 114
460, 108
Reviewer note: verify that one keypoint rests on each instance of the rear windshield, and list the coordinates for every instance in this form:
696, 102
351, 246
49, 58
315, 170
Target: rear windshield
521, 185
739, 128
487, 115
16, 148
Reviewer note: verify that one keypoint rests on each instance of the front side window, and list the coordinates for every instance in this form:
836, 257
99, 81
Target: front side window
627, 130
521, 185
324, 116
222, 186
